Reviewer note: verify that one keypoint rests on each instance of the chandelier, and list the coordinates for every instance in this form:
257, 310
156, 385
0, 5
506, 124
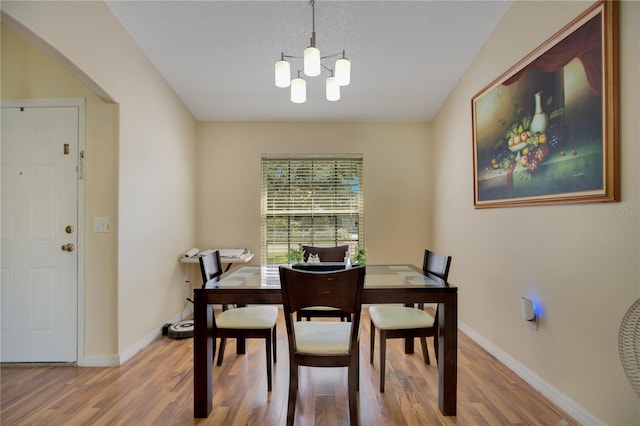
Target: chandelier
339, 75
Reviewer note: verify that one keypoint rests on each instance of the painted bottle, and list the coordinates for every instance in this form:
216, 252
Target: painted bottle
540, 120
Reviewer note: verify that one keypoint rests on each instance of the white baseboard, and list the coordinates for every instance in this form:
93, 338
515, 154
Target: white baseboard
100, 361
578, 413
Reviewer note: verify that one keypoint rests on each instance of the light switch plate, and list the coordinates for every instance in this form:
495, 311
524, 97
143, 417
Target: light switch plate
100, 224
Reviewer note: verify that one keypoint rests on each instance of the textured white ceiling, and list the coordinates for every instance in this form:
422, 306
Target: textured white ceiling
219, 56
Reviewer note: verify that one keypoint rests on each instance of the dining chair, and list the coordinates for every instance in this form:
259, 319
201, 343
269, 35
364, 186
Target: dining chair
242, 322
323, 343
405, 322
325, 254
211, 271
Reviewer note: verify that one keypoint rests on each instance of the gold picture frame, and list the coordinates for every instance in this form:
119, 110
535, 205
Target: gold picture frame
546, 130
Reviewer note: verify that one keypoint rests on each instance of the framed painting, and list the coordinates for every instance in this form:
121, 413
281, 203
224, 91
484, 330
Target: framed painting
546, 131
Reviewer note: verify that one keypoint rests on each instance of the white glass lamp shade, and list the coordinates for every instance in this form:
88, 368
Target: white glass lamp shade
343, 72
311, 61
283, 74
333, 89
298, 91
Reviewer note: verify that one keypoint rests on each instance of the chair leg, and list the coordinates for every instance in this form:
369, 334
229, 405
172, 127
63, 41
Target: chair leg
383, 355
353, 389
372, 341
268, 344
358, 369
435, 347
215, 337
436, 332
223, 343
425, 352
293, 390
213, 348
274, 339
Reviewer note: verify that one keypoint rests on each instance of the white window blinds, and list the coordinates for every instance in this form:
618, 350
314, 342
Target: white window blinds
310, 200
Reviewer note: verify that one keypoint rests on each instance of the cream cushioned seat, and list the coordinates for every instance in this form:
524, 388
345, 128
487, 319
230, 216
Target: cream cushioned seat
321, 308
322, 338
390, 317
248, 317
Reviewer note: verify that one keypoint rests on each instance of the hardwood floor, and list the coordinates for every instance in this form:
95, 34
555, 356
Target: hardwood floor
156, 388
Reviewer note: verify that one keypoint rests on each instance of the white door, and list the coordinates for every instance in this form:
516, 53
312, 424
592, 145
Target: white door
39, 287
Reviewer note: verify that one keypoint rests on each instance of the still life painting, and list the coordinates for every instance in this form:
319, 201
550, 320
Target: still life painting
546, 130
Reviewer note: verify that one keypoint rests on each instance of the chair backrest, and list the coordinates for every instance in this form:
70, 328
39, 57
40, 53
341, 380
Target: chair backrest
436, 264
340, 289
319, 267
326, 254
210, 267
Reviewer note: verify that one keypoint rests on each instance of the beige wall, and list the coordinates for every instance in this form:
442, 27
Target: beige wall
579, 261
153, 168
27, 72
397, 171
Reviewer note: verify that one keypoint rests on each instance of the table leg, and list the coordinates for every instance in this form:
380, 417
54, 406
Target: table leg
202, 357
241, 346
448, 355
408, 342
241, 342
408, 345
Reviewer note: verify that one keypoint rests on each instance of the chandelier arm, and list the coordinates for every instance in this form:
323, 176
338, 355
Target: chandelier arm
323, 57
333, 55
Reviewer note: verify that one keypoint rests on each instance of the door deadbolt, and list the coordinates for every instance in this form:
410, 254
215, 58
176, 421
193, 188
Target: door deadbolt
67, 247
69, 229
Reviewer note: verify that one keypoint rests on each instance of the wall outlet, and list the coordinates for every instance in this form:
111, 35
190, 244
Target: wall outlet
100, 224
528, 313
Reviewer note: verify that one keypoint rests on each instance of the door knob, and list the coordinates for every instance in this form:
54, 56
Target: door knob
67, 247
68, 229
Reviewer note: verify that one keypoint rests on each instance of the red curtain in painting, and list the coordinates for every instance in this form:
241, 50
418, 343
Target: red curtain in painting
585, 44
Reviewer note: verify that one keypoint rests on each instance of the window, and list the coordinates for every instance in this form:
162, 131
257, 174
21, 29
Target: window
310, 200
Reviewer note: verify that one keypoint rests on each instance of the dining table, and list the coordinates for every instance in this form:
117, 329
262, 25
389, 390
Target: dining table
402, 283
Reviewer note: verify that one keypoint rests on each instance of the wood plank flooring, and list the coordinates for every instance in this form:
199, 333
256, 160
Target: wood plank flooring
155, 387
